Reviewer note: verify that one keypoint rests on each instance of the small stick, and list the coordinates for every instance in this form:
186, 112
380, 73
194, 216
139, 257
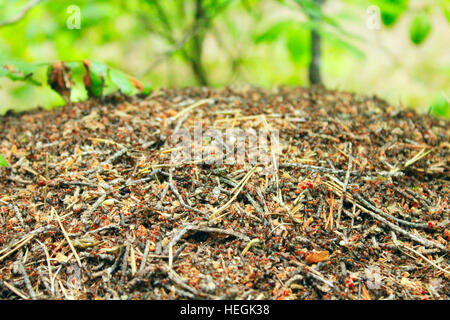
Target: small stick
398, 244
372, 207
133, 261
18, 245
16, 211
381, 212
249, 245
247, 195
170, 256
178, 236
49, 266
408, 195
144, 257
313, 273
180, 198
220, 231
44, 282
102, 256
67, 238
110, 226
242, 211
311, 168
25, 240
192, 107
241, 185
111, 159
179, 251
14, 289
23, 12
85, 216
113, 268
125, 261
172, 275
148, 178
344, 188
27, 281
46, 180
418, 239
393, 226
296, 277
179, 292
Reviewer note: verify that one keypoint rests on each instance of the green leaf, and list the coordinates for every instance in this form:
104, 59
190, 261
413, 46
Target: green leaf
297, 43
391, 10
389, 19
147, 88
23, 67
3, 162
122, 81
87, 79
274, 32
445, 4
99, 72
78, 91
440, 107
311, 8
19, 70
343, 44
420, 28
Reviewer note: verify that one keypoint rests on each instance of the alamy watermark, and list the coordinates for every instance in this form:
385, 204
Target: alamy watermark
233, 146
74, 20
373, 21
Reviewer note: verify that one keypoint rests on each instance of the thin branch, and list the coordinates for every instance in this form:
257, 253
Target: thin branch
26, 279
21, 14
344, 191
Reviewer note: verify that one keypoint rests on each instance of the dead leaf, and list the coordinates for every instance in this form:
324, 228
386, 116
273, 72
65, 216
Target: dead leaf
61, 257
317, 256
136, 83
60, 79
87, 77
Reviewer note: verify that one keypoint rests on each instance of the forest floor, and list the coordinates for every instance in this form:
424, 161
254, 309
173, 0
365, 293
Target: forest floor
93, 206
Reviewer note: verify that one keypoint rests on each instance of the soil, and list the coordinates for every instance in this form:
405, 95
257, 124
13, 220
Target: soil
93, 207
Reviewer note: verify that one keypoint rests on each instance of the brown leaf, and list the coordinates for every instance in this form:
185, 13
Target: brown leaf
9, 67
136, 83
317, 256
87, 77
60, 79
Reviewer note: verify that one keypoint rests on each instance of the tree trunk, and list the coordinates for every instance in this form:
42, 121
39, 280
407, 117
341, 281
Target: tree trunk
314, 65
196, 62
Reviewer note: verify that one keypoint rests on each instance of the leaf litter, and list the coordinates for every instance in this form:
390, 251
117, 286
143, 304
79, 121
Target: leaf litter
91, 206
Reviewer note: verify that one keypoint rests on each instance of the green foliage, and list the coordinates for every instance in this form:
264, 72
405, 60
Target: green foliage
445, 5
122, 81
311, 8
98, 73
3, 162
420, 28
163, 42
295, 35
63, 77
440, 107
298, 44
391, 10
343, 44
274, 32
18, 70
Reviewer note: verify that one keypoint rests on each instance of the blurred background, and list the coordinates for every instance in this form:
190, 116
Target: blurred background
396, 49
